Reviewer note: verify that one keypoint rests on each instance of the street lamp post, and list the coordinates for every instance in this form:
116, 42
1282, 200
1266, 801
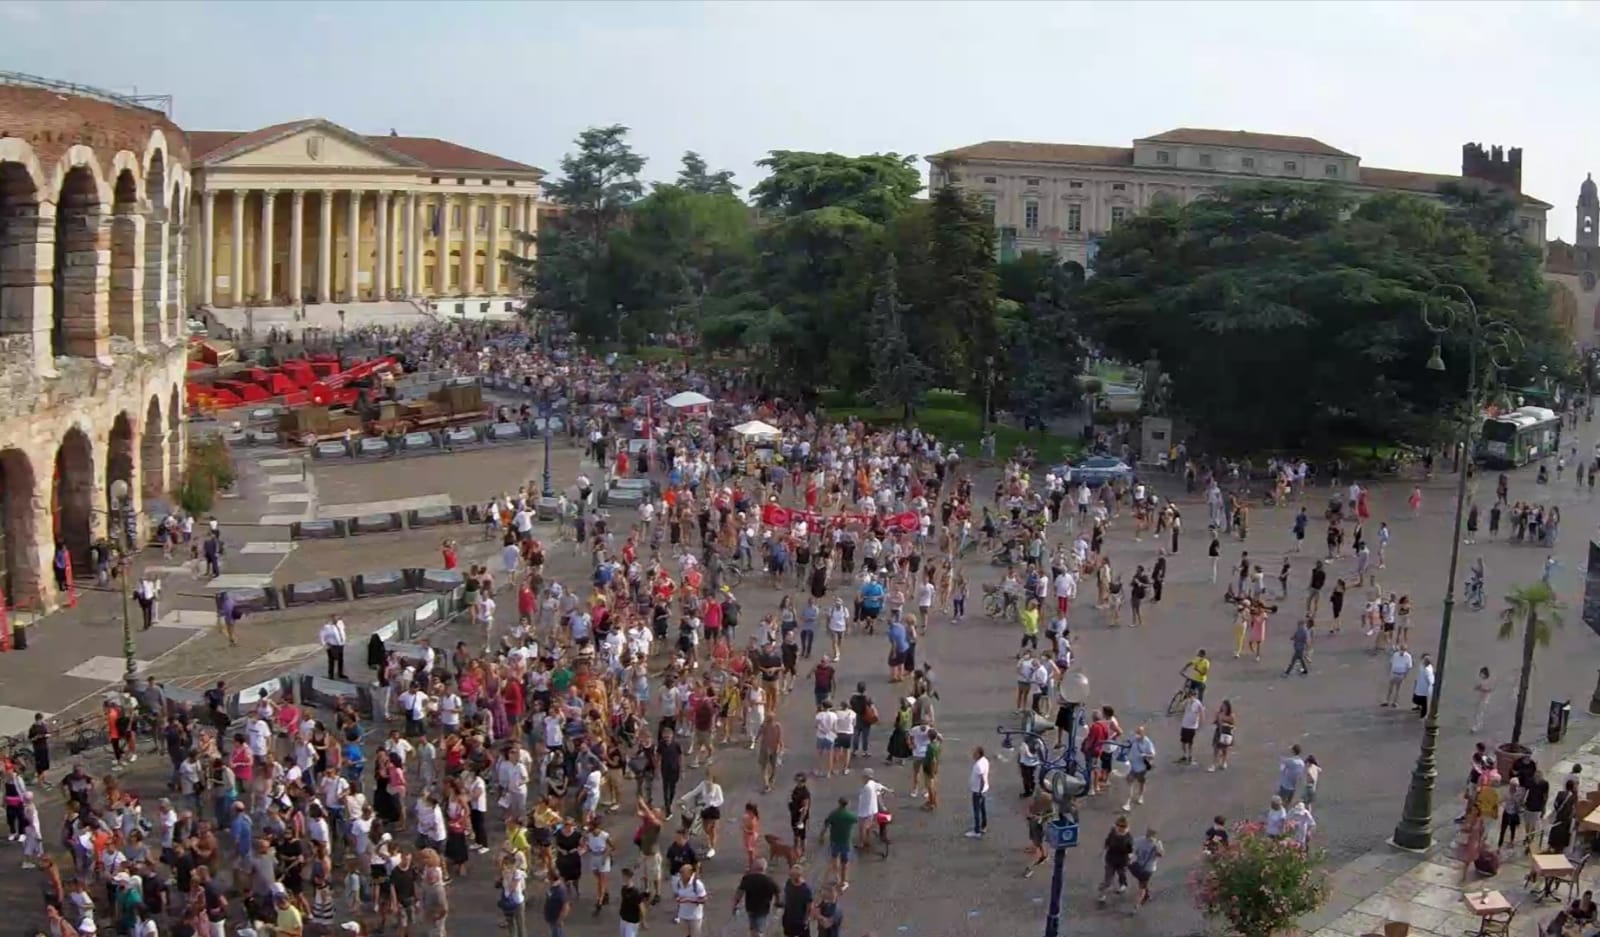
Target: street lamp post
547, 490
1415, 829
119, 502
1059, 773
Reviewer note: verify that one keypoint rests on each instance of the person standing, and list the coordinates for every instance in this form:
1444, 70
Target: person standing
1485, 690
333, 638
798, 904
1291, 769
1141, 755
1399, 666
978, 785
1194, 716
1422, 690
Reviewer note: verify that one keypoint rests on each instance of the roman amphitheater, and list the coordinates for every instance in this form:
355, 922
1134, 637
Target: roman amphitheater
94, 189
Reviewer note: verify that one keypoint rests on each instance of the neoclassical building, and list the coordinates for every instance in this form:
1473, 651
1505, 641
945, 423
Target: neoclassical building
310, 212
1062, 197
93, 351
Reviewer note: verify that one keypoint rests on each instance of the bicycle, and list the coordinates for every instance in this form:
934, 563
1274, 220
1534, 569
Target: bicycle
732, 575
19, 752
1180, 699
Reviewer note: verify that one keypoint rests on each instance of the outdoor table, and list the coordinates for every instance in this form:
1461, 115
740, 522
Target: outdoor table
1484, 903
1590, 823
1551, 865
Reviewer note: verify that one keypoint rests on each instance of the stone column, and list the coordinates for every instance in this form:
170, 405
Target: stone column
297, 246
177, 273
126, 303
353, 242
325, 248
469, 249
27, 264
86, 286
153, 304
491, 269
441, 269
530, 223
236, 280
208, 248
380, 268
408, 279
265, 277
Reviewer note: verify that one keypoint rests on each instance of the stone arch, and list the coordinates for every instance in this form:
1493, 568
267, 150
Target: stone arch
78, 323
121, 466
126, 299
175, 454
154, 148
126, 162
157, 244
19, 549
72, 496
153, 453
25, 254
81, 157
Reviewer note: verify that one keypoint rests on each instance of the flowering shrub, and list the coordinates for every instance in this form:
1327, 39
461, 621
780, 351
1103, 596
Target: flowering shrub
1260, 885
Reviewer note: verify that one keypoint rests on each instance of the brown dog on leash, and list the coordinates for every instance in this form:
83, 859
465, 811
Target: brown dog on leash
778, 849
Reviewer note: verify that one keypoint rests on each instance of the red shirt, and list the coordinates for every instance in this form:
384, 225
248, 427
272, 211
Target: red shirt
713, 616
525, 601
1095, 739
449, 558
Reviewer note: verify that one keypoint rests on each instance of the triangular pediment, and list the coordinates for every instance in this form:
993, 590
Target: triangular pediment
308, 143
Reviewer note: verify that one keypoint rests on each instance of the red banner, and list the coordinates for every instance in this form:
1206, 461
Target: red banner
777, 516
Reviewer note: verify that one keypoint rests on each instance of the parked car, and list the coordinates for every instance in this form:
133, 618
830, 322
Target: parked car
1099, 469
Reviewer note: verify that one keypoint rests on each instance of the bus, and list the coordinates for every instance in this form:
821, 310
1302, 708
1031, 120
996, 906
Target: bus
1523, 435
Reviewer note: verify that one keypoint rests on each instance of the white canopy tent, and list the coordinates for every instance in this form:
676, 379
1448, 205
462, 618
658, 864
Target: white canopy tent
756, 429
688, 399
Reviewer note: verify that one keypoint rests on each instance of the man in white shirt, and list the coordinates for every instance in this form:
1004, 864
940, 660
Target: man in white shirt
478, 803
1194, 716
1422, 692
978, 785
1399, 666
825, 734
333, 639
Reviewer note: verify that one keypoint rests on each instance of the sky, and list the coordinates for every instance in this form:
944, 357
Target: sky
1401, 85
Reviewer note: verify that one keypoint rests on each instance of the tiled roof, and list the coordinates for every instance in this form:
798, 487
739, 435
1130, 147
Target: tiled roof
430, 152
1016, 151
1424, 182
1244, 139
442, 154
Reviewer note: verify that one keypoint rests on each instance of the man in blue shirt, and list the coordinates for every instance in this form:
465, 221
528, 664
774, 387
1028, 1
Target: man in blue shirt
899, 645
871, 603
243, 831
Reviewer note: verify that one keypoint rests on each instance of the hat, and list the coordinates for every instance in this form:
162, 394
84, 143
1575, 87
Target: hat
86, 926
279, 891
866, 773
387, 837
911, 701
122, 878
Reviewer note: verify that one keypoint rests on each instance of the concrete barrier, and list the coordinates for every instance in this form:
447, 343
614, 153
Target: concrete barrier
330, 450
245, 699
315, 591
435, 517
320, 529
376, 523
502, 432
418, 442
434, 580
370, 446
461, 436
322, 693
384, 582
265, 599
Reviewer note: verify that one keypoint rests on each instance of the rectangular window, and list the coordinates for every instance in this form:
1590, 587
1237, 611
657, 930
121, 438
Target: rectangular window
488, 182
1119, 186
1163, 157
455, 216
505, 216
461, 180
1075, 218
1331, 170
483, 219
1031, 182
990, 180
989, 206
1117, 214
1030, 214
1074, 185
1249, 162
1290, 165
1205, 159
435, 180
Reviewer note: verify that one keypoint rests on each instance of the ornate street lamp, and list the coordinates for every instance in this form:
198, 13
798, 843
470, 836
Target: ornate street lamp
1060, 774
120, 505
1415, 829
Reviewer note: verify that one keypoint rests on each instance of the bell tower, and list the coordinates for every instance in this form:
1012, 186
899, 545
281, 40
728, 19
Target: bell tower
1588, 234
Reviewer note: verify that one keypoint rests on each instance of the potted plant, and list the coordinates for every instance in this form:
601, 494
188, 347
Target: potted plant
1260, 885
1537, 611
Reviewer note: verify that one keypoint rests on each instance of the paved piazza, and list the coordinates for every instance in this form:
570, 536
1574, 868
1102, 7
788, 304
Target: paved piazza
938, 882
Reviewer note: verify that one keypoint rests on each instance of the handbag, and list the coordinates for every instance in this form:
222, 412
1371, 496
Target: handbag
1225, 738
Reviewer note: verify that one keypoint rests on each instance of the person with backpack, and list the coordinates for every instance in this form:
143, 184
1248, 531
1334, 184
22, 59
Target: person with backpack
866, 717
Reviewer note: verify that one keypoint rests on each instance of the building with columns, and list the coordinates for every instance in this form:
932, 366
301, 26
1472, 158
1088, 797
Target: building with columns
309, 212
1062, 198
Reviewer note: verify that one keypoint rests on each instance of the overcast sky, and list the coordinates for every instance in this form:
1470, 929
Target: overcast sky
1400, 85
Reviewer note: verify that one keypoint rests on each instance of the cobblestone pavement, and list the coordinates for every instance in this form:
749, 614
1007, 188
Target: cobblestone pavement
941, 883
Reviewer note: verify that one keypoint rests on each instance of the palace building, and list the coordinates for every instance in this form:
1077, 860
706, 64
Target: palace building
1062, 197
309, 212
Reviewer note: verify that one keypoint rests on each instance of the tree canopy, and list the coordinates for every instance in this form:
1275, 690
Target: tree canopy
1287, 315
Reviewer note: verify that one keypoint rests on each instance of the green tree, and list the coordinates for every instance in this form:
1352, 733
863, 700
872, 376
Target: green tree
1536, 610
1287, 315
899, 377
962, 288
696, 177
569, 277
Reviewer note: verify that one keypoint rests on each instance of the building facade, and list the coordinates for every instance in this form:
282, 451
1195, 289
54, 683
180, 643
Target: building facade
93, 350
1572, 270
1062, 197
310, 212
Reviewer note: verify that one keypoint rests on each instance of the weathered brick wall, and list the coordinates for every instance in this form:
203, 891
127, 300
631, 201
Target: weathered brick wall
52, 122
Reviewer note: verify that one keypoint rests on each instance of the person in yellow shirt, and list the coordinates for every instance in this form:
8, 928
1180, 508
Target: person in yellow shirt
289, 922
517, 842
1196, 671
1029, 617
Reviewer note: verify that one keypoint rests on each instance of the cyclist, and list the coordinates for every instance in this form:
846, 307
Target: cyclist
1195, 673
1475, 578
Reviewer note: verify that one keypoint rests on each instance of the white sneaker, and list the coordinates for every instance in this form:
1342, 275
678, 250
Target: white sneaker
972, 834
1139, 799
711, 853
133, 756
1127, 807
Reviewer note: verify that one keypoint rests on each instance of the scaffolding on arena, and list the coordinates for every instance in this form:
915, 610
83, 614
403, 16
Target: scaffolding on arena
150, 102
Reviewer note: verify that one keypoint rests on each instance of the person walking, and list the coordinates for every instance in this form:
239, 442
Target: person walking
1147, 853
1484, 688
1117, 852
1291, 770
1301, 642
1141, 755
1222, 737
